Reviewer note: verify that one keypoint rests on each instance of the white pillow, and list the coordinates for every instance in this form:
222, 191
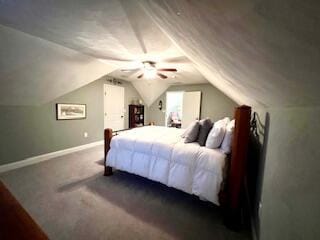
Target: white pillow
217, 133
227, 141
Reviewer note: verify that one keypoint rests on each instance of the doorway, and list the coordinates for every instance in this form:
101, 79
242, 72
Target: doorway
182, 108
173, 109
114, 107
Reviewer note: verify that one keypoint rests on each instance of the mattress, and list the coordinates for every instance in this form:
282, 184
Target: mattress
159, 154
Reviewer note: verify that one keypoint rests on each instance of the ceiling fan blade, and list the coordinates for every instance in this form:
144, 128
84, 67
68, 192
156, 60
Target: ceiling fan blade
133, 72
111, 58
162, 75
130, 69
181, 59
140, 76
167, 69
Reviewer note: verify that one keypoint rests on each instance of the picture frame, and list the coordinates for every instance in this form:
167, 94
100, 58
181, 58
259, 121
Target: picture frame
71, 111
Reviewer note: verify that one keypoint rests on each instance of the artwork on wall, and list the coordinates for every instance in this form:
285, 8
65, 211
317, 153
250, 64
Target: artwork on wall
66, 111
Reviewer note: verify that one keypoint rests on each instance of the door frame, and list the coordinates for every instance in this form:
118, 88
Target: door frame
104, 102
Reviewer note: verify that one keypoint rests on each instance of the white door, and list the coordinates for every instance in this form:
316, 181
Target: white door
190, 107
113, 107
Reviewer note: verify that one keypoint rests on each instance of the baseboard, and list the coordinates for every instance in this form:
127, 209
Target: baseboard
45, 157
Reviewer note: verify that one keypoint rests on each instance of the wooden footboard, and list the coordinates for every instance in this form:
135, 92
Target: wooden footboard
107, 141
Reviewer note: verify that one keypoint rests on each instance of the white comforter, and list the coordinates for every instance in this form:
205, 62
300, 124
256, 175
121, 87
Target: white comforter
159, 154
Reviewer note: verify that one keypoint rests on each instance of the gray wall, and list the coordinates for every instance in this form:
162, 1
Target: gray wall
290, 175
214, 103
30, 131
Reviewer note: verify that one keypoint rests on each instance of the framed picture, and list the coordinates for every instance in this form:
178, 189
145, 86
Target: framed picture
66, 111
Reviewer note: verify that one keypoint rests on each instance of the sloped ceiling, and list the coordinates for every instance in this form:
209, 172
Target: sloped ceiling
34, 71
262, 53
257, 52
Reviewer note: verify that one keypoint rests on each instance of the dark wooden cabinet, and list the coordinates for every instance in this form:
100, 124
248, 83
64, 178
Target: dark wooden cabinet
136, 116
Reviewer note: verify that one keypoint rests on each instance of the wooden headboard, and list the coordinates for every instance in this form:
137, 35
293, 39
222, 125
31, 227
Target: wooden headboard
230, 198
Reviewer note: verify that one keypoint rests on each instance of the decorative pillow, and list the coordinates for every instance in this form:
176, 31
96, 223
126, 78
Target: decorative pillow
187, 129
227, 141
217, 133
205, 126
191, 133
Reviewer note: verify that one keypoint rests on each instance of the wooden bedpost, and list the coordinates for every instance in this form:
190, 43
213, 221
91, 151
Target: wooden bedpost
236, 176
107, 141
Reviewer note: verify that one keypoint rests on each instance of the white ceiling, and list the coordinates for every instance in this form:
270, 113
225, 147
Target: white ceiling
262, 53
118, 33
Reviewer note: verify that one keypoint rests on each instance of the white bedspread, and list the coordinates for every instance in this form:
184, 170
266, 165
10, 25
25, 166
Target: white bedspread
159, 154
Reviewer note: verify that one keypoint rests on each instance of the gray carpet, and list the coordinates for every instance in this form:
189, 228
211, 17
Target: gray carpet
70, 199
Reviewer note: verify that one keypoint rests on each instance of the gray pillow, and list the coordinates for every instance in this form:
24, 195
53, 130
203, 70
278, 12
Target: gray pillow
205, 126
191, 134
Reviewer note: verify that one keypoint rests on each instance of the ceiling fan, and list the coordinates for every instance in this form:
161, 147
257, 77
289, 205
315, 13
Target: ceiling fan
148, 70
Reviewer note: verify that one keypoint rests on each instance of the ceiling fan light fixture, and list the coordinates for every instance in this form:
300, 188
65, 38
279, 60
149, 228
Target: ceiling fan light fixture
149, 70
150, 73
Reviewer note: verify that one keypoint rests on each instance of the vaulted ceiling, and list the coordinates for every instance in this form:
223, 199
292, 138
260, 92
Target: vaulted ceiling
262, 53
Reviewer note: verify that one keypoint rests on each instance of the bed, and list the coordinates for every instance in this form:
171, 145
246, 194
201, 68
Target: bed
159, 154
